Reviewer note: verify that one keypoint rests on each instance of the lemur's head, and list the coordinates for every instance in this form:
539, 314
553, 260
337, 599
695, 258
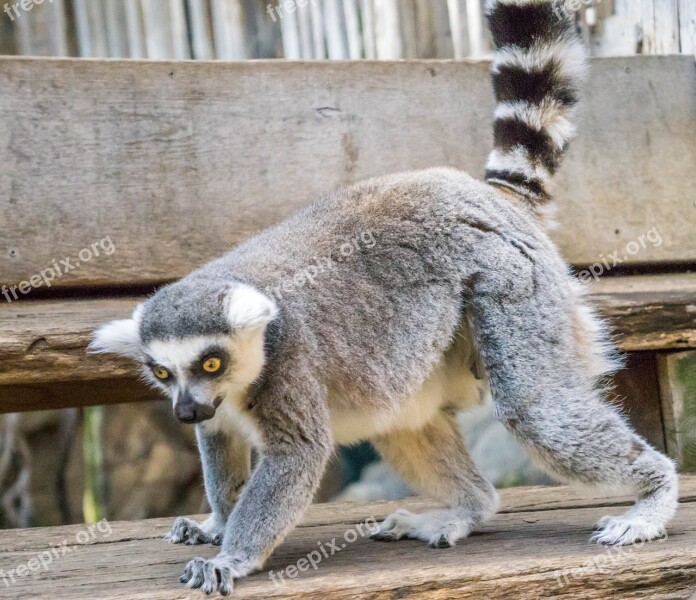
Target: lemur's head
200, 342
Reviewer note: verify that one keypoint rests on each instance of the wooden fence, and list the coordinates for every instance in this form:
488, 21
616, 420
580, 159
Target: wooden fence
316, 29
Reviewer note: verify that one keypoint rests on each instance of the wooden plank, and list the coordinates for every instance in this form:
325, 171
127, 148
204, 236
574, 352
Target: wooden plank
656, 312
199, 116
111, 123
45, 341
525, 499
523, 555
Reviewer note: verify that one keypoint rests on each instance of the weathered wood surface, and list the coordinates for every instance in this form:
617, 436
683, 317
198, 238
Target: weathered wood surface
536, 547
45, 341
655, 312
175, 164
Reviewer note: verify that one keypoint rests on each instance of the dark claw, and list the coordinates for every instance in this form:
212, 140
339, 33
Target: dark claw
442, 542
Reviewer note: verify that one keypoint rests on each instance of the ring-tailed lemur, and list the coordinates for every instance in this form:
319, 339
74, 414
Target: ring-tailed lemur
386, 345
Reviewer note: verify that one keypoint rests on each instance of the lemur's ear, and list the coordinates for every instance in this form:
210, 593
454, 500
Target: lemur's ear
248, 308
119, 337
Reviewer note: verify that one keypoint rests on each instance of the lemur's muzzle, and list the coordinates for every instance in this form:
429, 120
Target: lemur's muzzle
187, 410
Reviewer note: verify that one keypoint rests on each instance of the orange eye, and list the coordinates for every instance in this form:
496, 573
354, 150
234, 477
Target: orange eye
161, 373
212, 364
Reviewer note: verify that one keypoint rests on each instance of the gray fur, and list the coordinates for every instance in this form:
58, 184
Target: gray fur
456, 273
449, 250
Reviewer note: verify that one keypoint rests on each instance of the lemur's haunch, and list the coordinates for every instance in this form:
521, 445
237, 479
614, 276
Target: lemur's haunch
459, 289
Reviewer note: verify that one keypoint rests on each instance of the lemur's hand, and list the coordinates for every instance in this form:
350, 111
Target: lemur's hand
188, 531
215, 574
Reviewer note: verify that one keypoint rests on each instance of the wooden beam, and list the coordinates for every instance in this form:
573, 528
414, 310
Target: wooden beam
141, 151
537, 547
45, 341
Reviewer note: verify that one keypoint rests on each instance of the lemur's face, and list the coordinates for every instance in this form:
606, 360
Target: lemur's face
181, 353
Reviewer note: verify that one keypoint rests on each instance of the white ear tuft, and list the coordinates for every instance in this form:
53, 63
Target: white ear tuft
119, 337
248, 308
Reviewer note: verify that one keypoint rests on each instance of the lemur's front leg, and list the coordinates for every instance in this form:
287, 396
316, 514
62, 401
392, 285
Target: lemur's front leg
294, 423
226, 462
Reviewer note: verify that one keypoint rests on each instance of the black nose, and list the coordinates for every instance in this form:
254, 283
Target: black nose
188, 410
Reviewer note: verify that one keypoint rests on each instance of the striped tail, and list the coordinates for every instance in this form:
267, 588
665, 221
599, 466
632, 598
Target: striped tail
537, 67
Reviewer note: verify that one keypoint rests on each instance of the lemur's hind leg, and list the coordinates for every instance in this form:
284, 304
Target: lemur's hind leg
434, 461
543, 355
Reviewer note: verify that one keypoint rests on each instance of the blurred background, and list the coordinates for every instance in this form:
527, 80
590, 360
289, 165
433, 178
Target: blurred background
133, 461
313, 29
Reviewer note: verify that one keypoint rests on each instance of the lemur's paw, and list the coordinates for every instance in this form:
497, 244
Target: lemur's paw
441, 529
215, 574
188, 531
626, 529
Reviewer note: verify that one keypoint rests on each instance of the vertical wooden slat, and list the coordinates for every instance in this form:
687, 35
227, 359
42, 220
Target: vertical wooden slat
24, 35
268, 41
367, 14
229, 30
336, 42
8, 38
40, 30
441, 30
318, 31
55, 14
116, 33
91, 28
425, 38
619, 34
304, 25
660, 22
407, 29
387, 30
459, 26
479, 42
291, 35
637, 390
355, 44
157, 28
687, 26
677, 372
135, 29
201, 29
181, 48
